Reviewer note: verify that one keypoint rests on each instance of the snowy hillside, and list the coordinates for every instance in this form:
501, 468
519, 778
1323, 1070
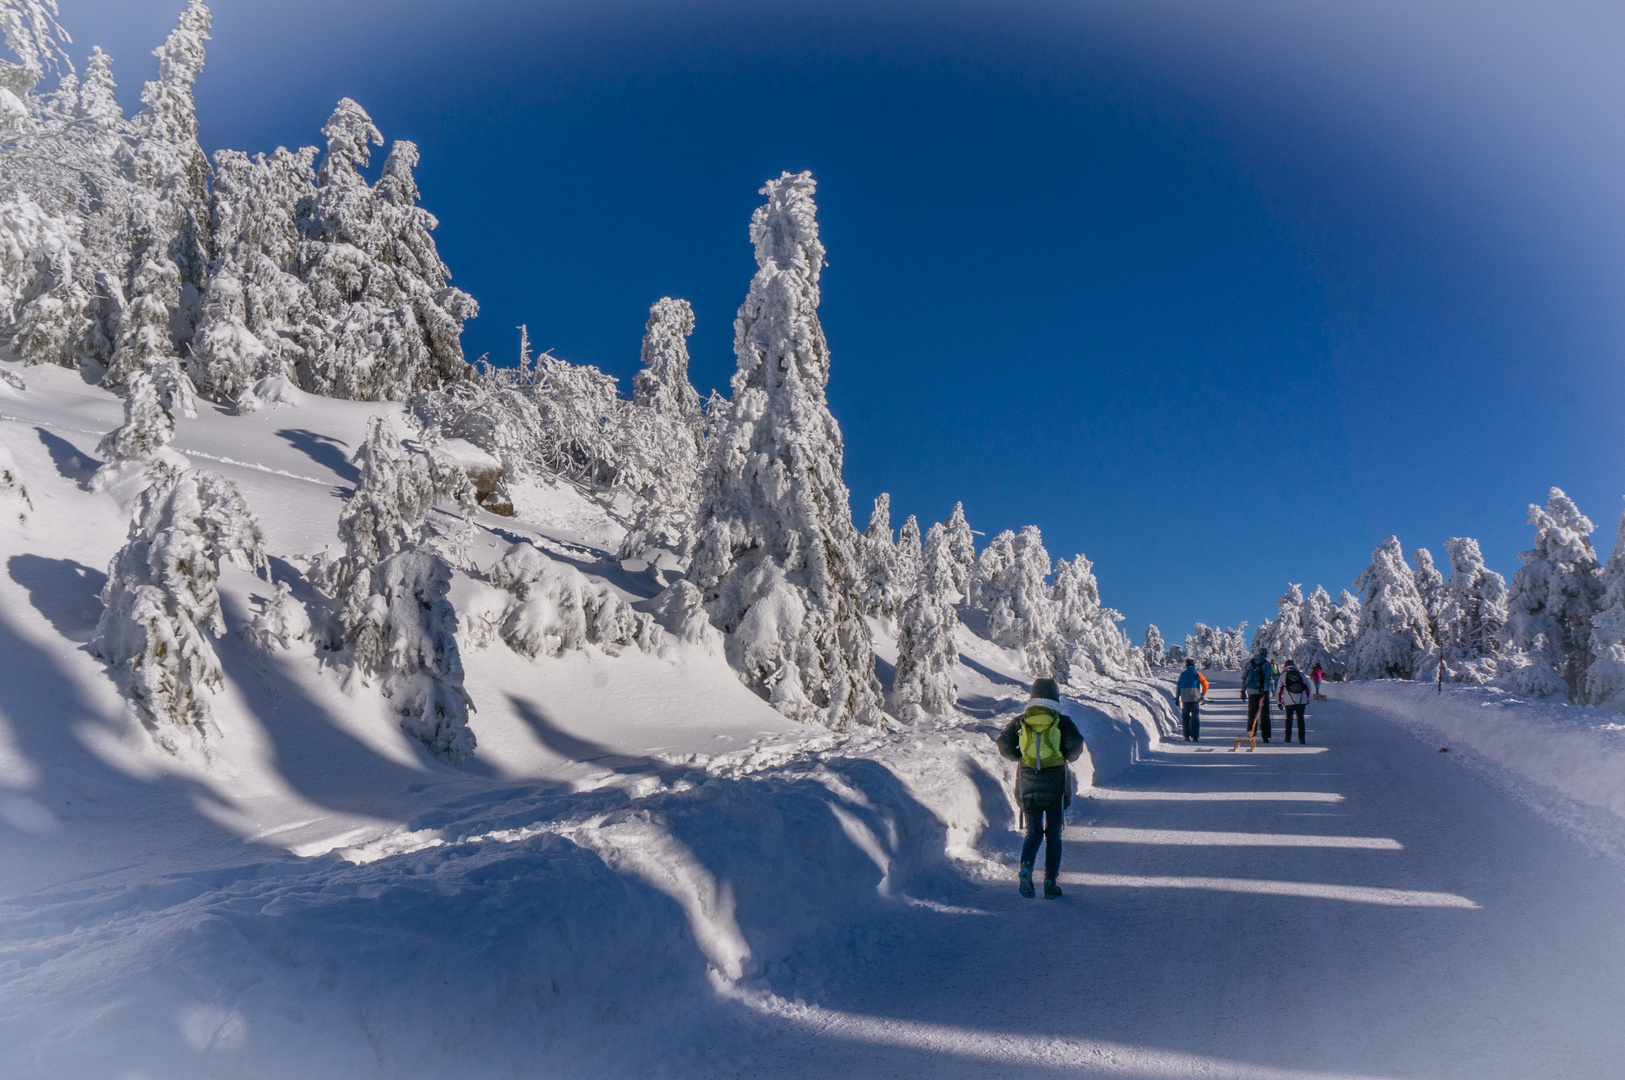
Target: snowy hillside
633, 834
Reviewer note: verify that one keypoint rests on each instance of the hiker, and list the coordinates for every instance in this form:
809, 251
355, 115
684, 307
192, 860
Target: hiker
1042, 741
1294, 697
1317, 673
1258, 683
1191, 689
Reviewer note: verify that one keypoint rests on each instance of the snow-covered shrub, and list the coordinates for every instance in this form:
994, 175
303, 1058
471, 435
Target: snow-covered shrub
1605, 677
406, 633
13, 495
161, 602
559, 609
926, 650
680, 610
280, 622
1555, 593
1153, 650
776, 553
1392, 638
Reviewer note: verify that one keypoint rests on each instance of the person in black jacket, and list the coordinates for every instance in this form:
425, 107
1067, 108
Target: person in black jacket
1042, 740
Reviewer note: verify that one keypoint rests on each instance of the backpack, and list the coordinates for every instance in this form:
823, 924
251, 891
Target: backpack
1294, 681
1256, 676
1041, 740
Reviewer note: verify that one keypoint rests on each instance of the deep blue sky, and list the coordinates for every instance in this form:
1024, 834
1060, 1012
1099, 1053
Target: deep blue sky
1220, 295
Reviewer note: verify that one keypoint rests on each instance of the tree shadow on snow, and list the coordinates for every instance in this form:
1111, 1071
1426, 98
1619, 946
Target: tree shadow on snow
66, 592
324, 450
71, 462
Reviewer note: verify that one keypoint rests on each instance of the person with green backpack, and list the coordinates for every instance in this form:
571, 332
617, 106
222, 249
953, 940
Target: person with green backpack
1042, 741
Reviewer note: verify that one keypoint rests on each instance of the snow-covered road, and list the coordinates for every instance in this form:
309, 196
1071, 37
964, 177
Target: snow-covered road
1363, 906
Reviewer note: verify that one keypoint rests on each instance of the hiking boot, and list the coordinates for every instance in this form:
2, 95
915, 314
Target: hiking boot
1051, 889
1027, 880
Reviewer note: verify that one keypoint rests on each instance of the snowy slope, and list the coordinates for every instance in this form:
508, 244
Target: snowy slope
313, 894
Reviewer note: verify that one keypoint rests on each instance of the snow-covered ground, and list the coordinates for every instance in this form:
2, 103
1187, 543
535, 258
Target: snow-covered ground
644, 870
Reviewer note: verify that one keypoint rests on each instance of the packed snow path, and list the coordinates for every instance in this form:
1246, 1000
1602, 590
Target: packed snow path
1363, 906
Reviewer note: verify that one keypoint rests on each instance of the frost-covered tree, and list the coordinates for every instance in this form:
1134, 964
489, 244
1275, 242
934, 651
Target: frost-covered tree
777, 555
1471, 614
991, 565
1285, 635
1605, 677
1322, 643
883, 587
1097, 646
139, 447
926, 650
385, 322
1153, 649
1430, 585
280, 622
962, 548
384, 516
144, 330
558, 609
1554, 595
1345, 620
910, 552
161, 605
667, 409
1392, 637
1015, 594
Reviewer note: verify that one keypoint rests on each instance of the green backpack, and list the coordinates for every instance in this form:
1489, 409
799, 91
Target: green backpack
1041, 739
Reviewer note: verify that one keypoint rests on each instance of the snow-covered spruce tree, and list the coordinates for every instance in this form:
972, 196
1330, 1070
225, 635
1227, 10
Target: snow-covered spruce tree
1430, 585
1554, 597
385, 322
1097, 646
962, 549
877, 551
1605, 677
777, 555
1472, 611
254, 306
1153, 649
138, 450
161, 604
558, 609
1392, 638
1174, 656
1262, 635
910, 552
665, 404
280, 622
1321, 641
926, 650
1285, 636
393, 611
169, 164
144, 329
1021, 614
991, 565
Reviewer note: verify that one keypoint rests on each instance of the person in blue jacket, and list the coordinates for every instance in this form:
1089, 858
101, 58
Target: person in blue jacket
1191, 689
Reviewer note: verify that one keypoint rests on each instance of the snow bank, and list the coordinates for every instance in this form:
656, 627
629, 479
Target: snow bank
1566, 761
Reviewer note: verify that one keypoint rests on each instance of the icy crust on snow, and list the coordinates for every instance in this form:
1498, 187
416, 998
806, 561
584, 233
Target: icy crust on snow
1567, 762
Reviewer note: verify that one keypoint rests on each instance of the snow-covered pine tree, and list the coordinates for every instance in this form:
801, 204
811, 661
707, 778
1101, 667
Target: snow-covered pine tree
910, 552
385, 323
1097, 646
962, 548
1430, 584
1321, 641
171, 167
1392, 638
1554, 595
1015, 594
1472, 611
254, 306
1153, 649
281, 621
926, 650
665, 404
137, 451
144, 329
1605, 677
393, 613
992, 564
882, 582
1285, 636
160, 602
777, 555
1262, 635
558, 609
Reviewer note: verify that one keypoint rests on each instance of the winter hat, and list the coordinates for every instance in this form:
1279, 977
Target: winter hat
1046, 694
1291, 664
1191, 662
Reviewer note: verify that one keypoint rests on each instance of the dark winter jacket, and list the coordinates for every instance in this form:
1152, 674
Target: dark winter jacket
1041, 789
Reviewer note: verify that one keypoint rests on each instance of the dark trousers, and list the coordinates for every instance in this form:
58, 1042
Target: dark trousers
1258, 705
1298, 709
1191, 713
1044, 825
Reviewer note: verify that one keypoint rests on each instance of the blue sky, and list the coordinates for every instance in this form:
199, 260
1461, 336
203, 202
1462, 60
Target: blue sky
1219, 295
